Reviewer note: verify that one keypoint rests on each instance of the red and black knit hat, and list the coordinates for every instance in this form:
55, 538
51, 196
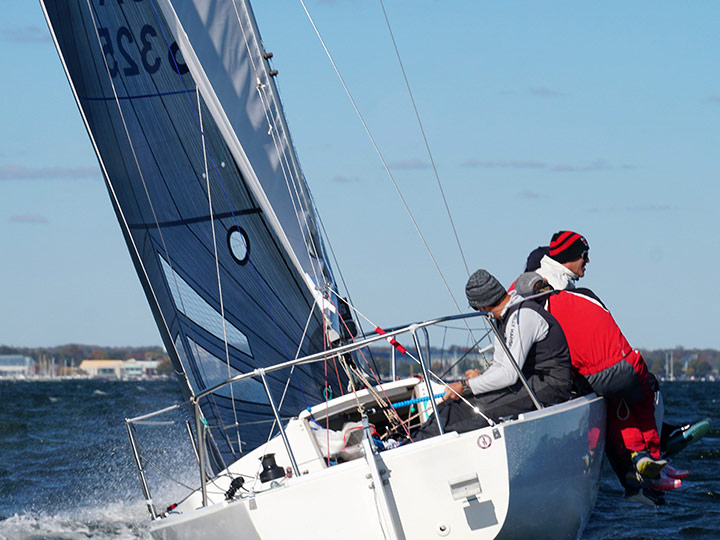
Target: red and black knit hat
567, 246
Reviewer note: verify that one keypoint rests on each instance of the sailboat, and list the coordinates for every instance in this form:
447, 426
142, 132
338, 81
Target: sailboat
294, 427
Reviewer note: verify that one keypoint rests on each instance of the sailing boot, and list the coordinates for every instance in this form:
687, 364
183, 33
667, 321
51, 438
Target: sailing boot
647, 473
672, 472
646, 466
674, 440
634, 480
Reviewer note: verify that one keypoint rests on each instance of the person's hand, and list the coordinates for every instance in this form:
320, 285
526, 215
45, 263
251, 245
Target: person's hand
472, 373
453, 391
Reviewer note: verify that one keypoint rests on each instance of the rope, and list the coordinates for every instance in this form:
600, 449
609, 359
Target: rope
124, 221
382, 158
430, 371
413, 401
427, 144
281, 153
217, 266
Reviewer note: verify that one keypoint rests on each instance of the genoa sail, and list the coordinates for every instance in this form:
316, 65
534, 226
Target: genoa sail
183, 113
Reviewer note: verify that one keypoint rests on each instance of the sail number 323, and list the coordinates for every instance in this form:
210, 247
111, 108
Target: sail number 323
118, 49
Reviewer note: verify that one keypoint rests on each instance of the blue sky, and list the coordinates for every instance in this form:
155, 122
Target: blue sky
598, 117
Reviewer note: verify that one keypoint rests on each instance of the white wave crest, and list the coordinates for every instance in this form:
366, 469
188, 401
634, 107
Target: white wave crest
115, 521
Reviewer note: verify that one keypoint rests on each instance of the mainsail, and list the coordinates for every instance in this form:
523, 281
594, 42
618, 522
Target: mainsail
182, 110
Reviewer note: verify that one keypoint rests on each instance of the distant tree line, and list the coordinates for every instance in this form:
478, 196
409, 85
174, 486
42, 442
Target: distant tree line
685, 362
74, 353
455, 360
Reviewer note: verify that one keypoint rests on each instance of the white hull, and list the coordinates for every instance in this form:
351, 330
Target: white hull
535, 477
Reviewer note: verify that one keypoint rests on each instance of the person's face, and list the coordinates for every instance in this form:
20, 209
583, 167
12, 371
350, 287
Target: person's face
492, 310
577, 266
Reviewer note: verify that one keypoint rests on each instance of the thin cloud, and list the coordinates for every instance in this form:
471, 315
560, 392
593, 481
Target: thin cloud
529, 195
346, 179
651, 208
565, 168
541, 91
410, 164
595, 166
477, 164
647, 208
28, 218
28, 34
19, 172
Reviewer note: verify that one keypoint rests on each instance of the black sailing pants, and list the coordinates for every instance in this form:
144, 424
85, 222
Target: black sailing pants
510, 401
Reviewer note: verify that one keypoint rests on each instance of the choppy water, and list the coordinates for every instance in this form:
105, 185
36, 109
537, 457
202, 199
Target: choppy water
66, 471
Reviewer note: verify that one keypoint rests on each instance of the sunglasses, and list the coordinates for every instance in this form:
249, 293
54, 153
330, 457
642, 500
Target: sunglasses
585, 256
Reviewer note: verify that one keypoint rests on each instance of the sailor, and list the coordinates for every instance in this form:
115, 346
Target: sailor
601, 355
565, 262
562, 263
533, 261
538, 346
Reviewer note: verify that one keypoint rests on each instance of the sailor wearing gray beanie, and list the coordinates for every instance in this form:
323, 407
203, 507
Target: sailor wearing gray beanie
535, 345
483, 290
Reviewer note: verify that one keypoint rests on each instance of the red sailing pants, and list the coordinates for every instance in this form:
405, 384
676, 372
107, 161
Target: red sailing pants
597, 345
632, 425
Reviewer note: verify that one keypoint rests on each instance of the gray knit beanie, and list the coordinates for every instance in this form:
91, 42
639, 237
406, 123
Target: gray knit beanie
483, 290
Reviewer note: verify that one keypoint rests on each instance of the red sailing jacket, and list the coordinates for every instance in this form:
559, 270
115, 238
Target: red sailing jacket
594, 338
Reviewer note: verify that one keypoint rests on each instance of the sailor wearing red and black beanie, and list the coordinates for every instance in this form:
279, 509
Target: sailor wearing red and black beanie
566, 260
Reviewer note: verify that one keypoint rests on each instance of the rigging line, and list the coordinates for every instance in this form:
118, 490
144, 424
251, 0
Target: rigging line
292, 369
147, 194
212, 401
427, 144
255, 69
291, 180
430, 371
425, 139
216, 170
382, 159
303, 194
262, 284
342, 277
256, 274
217, 262
273, 130
112, 187
364, 379
284, 153
215, 166
471, 349
294, 182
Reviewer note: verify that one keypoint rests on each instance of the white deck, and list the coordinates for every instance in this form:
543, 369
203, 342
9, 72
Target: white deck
482, 484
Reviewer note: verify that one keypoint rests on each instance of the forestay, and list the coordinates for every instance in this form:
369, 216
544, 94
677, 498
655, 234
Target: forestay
184, 116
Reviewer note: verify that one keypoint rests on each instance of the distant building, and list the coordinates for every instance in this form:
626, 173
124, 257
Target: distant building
119, 369
137, 369
16, 366
105, 369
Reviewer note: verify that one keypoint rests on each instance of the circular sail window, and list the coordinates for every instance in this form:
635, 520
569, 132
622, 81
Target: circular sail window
239, 244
